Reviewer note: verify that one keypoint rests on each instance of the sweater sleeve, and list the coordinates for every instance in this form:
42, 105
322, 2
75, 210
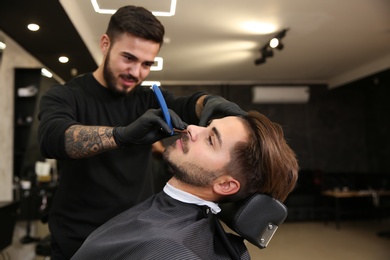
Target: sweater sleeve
56, 114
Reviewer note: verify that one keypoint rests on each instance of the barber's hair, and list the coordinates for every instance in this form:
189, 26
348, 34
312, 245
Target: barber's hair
137, 21
265, 163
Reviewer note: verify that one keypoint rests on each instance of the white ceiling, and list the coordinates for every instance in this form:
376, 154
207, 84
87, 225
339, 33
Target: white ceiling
329, 42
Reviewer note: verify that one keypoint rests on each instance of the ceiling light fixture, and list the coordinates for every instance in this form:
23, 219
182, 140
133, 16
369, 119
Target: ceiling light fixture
150, 83
267, 52
279, 46
33, 27
46, 73
73, 72
99, 10
267, 49
260, 60
2, 45
158, 64
274, 42
63, 59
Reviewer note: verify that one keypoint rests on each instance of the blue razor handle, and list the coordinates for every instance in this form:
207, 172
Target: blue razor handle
163, 105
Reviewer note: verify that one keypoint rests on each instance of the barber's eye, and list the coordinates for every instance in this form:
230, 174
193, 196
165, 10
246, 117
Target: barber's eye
130, 58
148, 64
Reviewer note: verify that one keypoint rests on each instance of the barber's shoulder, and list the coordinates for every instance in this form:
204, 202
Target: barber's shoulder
70, 88
80, 81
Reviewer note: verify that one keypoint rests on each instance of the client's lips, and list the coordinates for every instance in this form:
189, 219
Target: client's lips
182, 141
178, 144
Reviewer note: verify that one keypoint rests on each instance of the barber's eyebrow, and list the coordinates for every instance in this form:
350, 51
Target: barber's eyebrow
218, 135
132, 56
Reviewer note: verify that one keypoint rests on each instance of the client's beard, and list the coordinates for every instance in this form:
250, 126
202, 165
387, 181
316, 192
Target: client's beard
189, 173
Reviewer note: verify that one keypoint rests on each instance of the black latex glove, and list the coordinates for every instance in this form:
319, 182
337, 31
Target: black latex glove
218, 107
147, 129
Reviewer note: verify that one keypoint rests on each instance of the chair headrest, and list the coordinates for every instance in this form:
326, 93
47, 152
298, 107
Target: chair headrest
255, 218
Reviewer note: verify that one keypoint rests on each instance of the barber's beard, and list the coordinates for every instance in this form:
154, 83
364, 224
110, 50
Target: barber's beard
110, 78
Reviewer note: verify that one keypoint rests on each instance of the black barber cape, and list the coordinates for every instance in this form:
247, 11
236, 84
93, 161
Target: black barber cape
162, 228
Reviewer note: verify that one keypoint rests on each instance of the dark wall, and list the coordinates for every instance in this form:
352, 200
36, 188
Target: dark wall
340, 130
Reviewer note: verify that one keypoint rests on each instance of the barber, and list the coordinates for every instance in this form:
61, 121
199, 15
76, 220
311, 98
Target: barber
100, 127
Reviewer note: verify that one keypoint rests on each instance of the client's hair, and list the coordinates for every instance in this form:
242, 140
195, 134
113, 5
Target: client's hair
265, 163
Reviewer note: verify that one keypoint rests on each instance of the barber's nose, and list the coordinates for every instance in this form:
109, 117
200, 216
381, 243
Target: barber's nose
194, 132
135, 70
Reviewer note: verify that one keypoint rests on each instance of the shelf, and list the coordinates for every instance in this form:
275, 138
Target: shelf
29, 85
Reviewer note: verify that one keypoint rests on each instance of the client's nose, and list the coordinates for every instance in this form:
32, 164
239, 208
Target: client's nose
194, 132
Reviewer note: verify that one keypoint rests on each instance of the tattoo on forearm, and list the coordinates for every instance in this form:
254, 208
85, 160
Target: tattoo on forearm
85, 141
106, 136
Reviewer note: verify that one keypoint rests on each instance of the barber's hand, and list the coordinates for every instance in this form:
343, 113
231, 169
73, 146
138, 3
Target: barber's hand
147, 129
218, 107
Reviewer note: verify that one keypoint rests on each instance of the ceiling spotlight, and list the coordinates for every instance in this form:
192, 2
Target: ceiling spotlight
63, 59
46, 73
33, 27
274, 42
73, 72
2, 45
260, 60
267, 49
281, 34
280, 46
267, 52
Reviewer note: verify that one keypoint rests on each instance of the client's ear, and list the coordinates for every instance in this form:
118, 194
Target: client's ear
226, 185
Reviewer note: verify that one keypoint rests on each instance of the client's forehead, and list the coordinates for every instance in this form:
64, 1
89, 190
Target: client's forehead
228, 120
231, 127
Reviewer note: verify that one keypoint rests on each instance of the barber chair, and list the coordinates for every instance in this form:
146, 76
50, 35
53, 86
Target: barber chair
255, 219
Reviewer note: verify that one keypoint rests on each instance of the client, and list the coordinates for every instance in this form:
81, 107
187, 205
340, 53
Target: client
230, 159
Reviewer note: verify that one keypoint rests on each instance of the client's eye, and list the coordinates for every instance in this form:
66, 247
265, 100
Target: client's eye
210, 140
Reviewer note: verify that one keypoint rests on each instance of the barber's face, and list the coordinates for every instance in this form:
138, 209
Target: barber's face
127, 62
198, 157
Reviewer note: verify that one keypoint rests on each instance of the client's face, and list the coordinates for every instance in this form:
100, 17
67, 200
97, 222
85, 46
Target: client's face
198, 156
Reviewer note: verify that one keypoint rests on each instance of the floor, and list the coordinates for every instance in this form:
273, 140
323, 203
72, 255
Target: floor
357, 240
21, 251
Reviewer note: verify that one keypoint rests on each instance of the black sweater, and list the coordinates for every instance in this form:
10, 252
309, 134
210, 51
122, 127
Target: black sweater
94, 189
